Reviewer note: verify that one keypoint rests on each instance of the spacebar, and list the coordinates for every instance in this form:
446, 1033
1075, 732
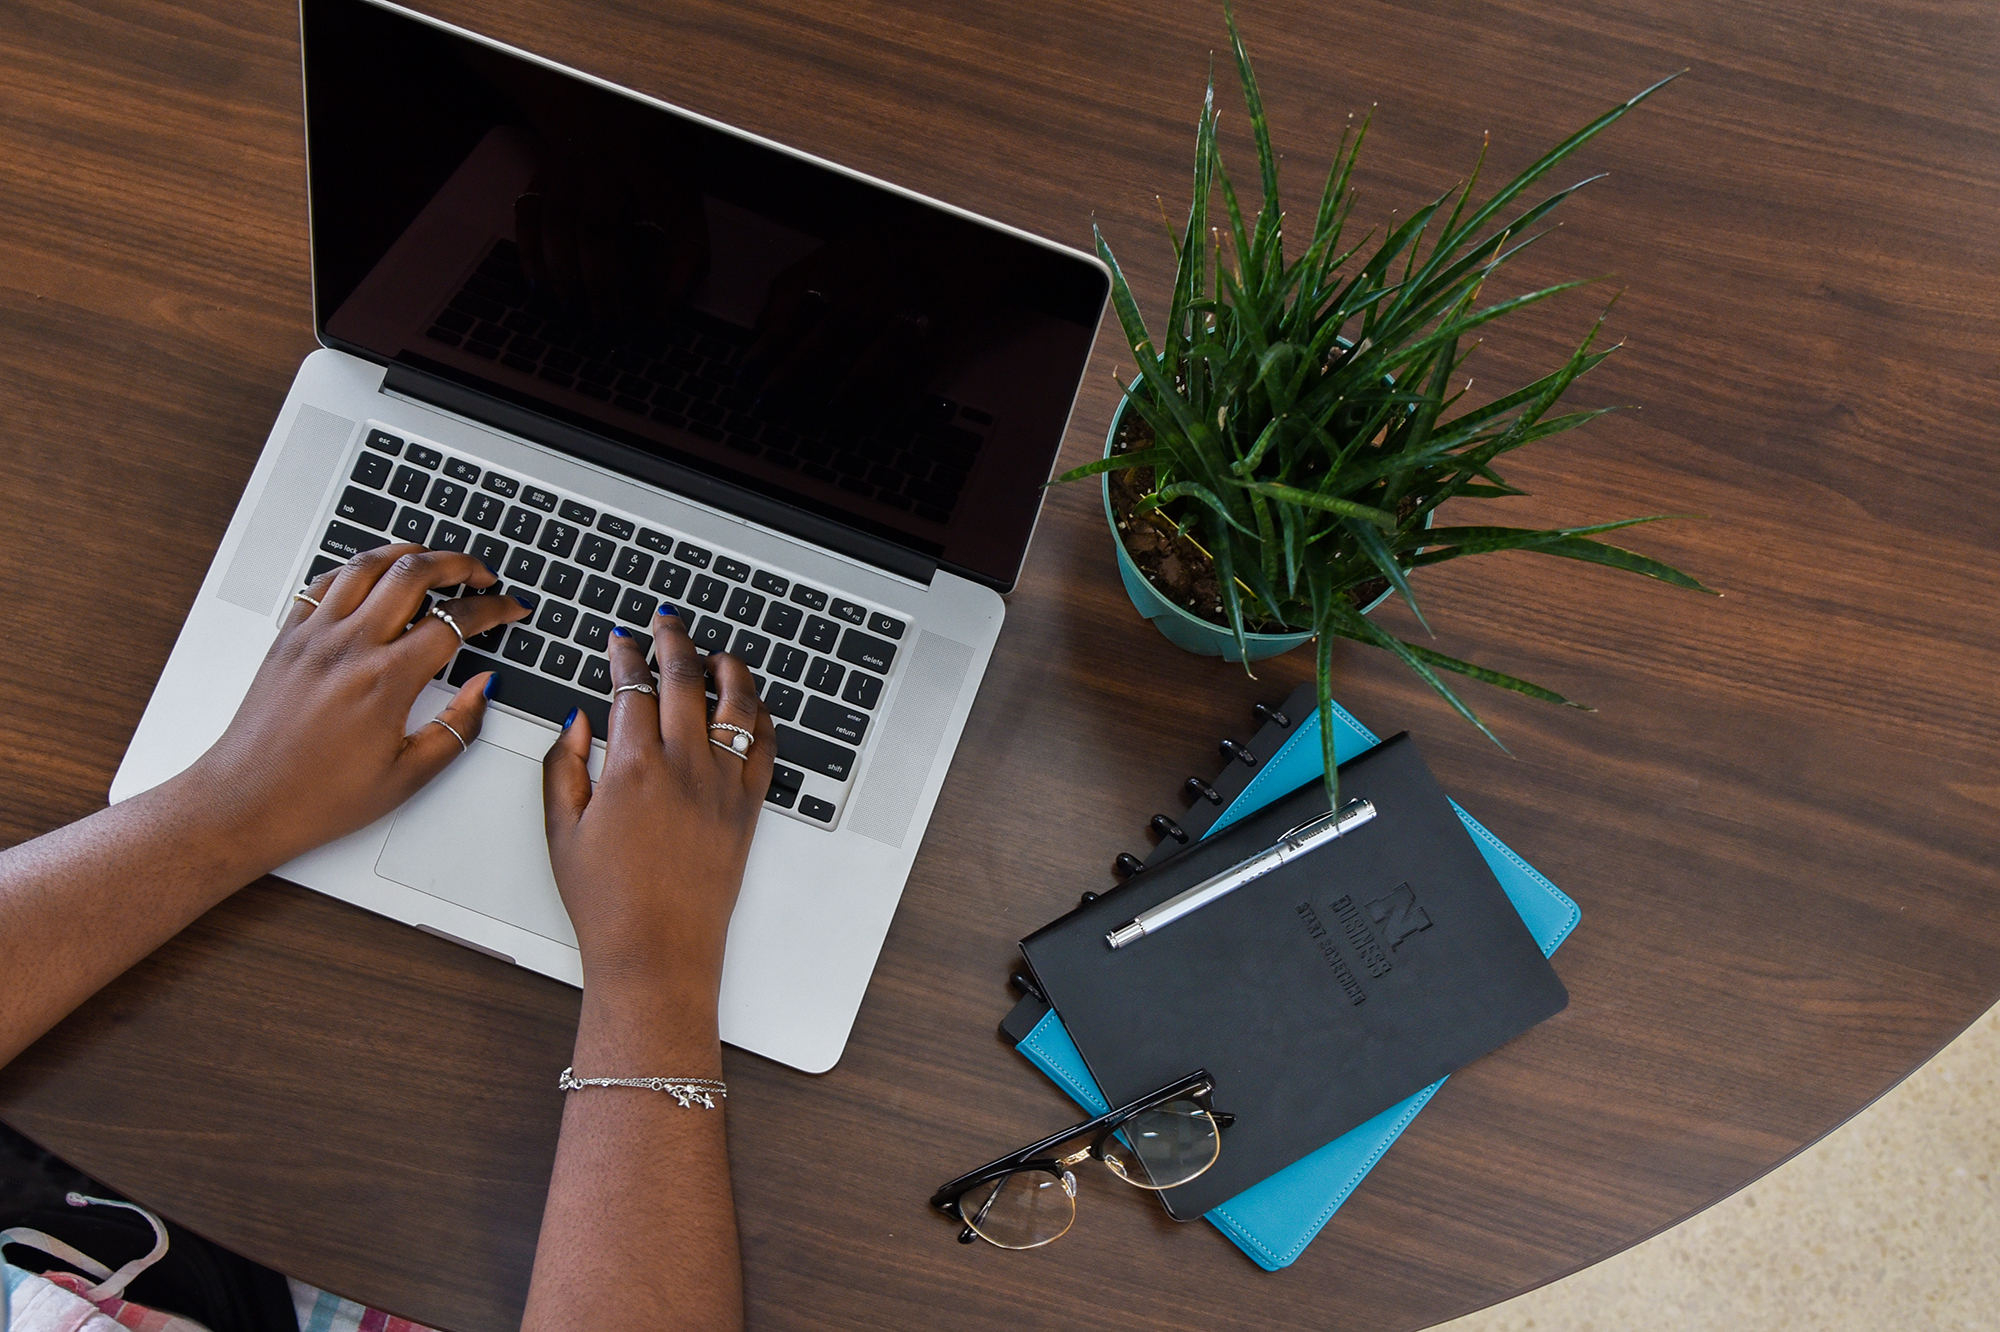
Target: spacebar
531, 693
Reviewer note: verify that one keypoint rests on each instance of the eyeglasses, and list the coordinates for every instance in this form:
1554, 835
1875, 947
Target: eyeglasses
1028, 1198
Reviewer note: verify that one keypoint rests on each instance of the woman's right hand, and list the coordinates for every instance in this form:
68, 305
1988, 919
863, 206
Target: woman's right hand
650, 861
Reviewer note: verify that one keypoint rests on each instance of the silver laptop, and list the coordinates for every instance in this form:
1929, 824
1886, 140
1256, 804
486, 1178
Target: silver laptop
626, 355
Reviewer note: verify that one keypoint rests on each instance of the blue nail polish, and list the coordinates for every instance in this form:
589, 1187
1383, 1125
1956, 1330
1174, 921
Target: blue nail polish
621, 631
525, 604
665, 609
491, 681
567, 720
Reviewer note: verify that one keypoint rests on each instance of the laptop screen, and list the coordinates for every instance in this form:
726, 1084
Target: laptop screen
702, 296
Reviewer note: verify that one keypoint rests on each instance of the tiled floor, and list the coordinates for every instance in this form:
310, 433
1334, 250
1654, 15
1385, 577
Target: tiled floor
1889, 1224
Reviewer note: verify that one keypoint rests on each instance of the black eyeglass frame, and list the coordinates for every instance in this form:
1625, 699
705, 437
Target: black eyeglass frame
1196, 1086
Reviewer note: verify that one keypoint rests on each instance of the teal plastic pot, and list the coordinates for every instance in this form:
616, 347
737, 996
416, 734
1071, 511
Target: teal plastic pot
1183, 628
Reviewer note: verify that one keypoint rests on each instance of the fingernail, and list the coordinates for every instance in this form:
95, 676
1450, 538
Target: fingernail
621, 631
492, 680
669, 611
567, 720
524, 603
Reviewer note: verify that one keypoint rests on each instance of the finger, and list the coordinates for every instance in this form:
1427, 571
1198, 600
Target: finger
736, 705
398, 595
301, 608
431, 641
429, 750
353, 581
683, 685
635, 719
566, 778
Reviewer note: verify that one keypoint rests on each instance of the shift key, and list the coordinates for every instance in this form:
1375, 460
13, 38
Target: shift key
830, 718
814, 754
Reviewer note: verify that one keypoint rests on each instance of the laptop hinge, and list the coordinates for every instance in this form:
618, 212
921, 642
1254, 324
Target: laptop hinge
436, 391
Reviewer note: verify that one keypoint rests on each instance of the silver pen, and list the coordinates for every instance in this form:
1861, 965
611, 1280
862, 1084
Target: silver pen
1308, 836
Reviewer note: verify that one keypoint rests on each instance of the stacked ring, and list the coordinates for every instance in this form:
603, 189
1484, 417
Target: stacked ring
739, 742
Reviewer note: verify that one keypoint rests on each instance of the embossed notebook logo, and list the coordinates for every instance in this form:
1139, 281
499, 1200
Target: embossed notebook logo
1399, 915
1329, 952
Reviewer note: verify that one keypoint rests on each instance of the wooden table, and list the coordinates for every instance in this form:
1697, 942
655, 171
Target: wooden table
1779, 824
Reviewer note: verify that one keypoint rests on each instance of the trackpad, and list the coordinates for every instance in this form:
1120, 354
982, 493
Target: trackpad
474, 837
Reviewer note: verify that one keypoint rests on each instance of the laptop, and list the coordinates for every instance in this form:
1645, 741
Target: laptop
626, 355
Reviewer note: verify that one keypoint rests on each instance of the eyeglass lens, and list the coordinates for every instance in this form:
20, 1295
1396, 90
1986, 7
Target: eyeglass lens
1021, 1210
1164, 1147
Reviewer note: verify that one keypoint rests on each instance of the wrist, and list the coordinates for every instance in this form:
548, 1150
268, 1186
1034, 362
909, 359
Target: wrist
628, 1029
212, 830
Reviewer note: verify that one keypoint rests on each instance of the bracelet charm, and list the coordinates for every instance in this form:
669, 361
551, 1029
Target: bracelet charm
687, 1091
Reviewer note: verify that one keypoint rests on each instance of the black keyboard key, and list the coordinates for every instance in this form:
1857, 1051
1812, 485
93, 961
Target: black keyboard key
636, 607
596, 675
320, 564
521, 525
689, 553
744, 606
815, 808
657, 542
410, 484
782, 620
533, 694
526, 567
611, 525
710, 634
886, 625
558, 538
830, 718
768, 582
633, 565
561, 660
383, 440
750, 647
848, 611
358, 506
484, 511
450, 536
788, 662
563, 580
813, 753
446, 497
501, 485
708, 593
600, 594
412, 525
372, 470
820, 634
594, 632
581, 514
824, 675
790, 779
489, 551
863, 690
597, 552
423, 456
781, 796
783, 700
734, 570
540, 498
669, 580
523, 646
559, 617
458, 469
488, 641
865, 650
809, 597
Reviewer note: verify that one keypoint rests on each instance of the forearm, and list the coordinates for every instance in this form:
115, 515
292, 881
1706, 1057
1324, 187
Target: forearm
81, 904
640, 1226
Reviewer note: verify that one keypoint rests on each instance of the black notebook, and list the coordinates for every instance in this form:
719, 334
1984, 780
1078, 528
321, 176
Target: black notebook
1318, 995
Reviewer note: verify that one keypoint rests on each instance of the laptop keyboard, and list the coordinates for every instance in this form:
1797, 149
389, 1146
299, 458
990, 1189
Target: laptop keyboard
820, 659
915, 457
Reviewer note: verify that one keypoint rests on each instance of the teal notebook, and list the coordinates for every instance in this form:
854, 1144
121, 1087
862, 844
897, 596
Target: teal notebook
1274, 1221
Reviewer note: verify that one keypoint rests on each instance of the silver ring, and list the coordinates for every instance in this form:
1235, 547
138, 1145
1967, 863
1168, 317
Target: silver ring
637, 689
738, 744
300, 596
730, 750
442, 614
462, 746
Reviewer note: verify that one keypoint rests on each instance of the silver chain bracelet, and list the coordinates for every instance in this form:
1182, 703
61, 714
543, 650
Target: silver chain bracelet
687, 1091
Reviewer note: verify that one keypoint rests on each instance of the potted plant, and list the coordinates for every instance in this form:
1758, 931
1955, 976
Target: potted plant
1277, 465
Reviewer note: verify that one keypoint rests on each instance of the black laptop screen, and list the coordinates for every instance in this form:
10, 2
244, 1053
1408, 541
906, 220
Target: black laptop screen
706, 298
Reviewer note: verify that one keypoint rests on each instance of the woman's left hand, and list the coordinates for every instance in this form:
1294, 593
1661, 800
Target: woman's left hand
318, 748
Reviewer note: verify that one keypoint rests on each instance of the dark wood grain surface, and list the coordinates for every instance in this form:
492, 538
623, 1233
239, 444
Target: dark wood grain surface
1779, 824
